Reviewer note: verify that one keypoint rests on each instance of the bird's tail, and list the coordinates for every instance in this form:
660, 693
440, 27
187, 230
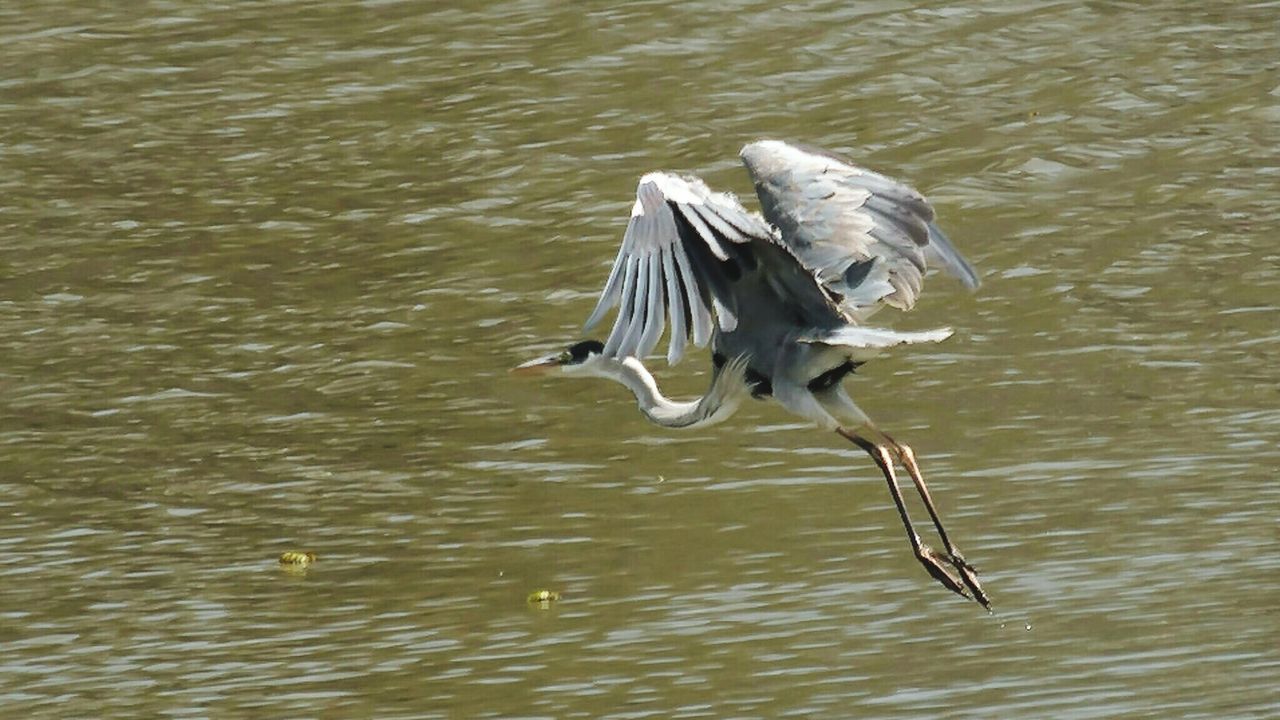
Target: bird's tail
865, 338
864, 343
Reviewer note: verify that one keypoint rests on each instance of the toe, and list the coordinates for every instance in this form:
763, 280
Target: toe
940, 571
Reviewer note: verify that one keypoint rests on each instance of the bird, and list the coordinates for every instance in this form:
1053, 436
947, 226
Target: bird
782, 297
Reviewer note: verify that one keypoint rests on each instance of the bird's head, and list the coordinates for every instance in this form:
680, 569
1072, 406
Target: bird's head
580, 358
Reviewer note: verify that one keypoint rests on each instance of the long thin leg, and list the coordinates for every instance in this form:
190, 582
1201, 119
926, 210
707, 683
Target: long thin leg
967, 573
925, 554
838, 403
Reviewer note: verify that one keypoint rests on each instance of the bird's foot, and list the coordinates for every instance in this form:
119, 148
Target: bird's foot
940, 570
970, 577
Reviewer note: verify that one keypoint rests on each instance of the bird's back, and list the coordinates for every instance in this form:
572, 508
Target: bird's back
777, 303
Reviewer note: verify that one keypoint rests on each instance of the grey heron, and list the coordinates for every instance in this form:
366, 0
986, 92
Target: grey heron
782, 299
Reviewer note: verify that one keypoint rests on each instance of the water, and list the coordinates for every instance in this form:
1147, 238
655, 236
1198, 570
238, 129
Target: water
265, 266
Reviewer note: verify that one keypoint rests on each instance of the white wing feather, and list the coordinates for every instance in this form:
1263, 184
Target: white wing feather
654, 280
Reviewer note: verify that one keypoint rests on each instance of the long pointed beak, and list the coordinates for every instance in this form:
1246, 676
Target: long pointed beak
537, 366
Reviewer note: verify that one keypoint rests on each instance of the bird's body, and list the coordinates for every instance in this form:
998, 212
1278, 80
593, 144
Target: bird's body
781, 298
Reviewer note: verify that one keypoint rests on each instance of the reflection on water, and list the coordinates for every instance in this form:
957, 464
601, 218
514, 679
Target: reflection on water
265, 266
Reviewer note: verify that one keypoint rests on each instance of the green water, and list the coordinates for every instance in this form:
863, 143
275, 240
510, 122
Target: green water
265, 264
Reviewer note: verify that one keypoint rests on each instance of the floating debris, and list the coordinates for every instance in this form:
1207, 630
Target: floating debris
543, 598
297, 558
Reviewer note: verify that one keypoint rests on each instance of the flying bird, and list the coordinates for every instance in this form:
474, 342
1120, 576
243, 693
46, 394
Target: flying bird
782, 299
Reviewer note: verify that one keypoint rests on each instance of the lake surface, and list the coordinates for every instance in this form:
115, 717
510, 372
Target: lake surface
265, 266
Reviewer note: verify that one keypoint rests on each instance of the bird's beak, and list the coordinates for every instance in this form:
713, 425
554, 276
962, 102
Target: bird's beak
537, 366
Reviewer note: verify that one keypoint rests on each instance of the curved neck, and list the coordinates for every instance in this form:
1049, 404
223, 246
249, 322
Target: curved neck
721, 400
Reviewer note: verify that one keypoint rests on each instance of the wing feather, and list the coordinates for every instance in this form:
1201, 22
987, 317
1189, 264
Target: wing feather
675, 305
612, 292
700, 324
671, 266
711, 218
639, 311
655, 322
941, 251
708, 236
835, 216
626, 301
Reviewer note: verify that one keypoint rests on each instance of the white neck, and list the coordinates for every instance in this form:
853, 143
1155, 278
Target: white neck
727, 390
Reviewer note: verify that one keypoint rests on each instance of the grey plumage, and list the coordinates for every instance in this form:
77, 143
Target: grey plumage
781, 298
789, 289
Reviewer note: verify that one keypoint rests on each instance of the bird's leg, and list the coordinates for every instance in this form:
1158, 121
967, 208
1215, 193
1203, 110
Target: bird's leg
925, 554
967, 572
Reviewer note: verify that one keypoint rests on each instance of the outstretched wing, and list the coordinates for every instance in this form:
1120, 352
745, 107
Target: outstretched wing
865, 236
683, 250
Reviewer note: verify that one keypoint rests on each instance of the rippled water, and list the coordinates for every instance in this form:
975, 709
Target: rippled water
265, 265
